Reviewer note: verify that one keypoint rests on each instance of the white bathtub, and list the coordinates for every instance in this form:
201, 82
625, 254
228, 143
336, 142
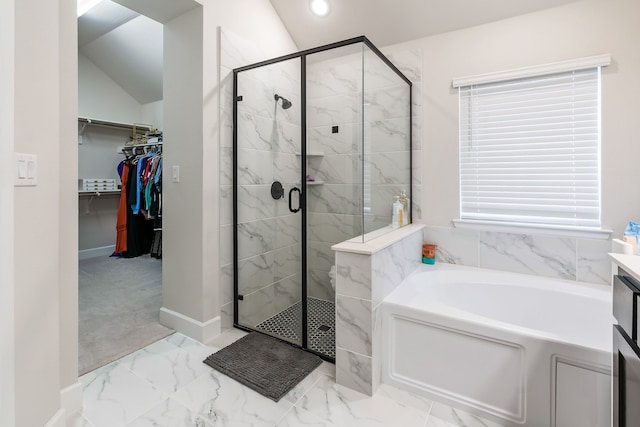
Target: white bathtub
516, 349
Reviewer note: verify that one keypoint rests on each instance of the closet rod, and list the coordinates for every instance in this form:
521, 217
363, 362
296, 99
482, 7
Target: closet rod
140, 128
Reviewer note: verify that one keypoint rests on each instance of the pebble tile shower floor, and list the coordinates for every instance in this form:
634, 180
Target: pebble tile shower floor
321, 324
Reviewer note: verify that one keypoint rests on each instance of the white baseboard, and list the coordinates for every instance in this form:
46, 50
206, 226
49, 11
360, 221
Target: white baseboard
95, 252
71, 399
200, 331
70, 402
58, 420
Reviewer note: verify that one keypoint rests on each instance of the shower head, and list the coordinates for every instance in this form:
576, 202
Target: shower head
286, 104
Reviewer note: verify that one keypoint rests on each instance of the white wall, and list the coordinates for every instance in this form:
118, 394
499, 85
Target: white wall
182, 214
101, 98
152, 114
7, 315
131, 54
68, 225
579, 29
191, 257
37, 303
42, 104
576, 30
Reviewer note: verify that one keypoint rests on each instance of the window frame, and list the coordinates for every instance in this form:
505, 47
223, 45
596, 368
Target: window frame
534, 73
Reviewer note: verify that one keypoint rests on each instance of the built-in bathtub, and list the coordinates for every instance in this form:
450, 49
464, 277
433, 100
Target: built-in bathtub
516, 349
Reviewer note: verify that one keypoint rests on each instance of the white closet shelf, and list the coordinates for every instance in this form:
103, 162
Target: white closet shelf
139, 127
98, 193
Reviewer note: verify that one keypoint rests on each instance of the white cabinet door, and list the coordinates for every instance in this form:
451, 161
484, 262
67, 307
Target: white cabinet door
583, 397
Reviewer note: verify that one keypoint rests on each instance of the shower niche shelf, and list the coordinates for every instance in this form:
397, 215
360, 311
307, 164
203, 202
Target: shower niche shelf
312, 183
313, 154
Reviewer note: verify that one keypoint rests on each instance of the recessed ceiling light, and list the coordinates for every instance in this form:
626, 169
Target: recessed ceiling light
320, 7
85, 6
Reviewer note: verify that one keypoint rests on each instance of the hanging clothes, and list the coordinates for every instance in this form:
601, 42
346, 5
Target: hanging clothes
140, 177
121, 224
140, 206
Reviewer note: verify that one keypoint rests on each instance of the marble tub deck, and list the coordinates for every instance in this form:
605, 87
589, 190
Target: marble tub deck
166, 384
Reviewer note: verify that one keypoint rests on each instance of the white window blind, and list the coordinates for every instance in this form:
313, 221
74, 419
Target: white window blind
530, 150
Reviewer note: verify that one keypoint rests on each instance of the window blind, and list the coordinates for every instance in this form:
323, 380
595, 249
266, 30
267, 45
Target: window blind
530, 150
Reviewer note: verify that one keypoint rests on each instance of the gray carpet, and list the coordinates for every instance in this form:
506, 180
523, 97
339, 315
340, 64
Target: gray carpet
265, 364
119, 305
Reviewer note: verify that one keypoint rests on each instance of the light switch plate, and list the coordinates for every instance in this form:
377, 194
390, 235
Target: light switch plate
25, 170
175, 173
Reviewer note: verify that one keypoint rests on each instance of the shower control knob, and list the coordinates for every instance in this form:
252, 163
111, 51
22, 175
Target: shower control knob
277, 191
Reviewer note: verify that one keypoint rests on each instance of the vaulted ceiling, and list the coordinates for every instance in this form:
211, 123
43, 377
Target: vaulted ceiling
387, 22
127, 46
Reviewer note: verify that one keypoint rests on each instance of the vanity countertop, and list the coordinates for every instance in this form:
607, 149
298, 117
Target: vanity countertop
630, 263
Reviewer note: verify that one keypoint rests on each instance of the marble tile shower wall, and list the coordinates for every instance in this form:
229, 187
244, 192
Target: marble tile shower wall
558, 257
409, 62
268, 138
386, 138
334, 207
334, 96
363, 281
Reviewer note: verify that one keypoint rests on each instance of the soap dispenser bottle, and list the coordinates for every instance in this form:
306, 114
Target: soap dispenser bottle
405, 207
397, 215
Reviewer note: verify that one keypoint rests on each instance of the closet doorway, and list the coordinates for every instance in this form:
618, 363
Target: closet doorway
120, 183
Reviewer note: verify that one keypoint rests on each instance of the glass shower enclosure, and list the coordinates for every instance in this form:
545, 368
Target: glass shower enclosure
321, 145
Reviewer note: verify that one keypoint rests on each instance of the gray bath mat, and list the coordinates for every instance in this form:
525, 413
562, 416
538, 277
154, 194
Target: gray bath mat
265, 364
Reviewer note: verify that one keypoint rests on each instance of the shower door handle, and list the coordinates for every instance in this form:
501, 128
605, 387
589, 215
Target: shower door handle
290, 199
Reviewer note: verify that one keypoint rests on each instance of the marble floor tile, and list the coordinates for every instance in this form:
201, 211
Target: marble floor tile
438, 422
90, 376
446, 416
166, 384
345, 407
170, 413
167, 366
192, 346
117, 396
298, 417
227, 337
328, 369
304, 386
78, 420
405, 398
224, 402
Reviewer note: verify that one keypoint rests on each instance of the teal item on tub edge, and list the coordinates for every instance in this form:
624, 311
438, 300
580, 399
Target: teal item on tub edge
428, 260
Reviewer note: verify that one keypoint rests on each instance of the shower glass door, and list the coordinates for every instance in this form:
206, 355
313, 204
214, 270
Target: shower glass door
334, 104
321, 145
268, 189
